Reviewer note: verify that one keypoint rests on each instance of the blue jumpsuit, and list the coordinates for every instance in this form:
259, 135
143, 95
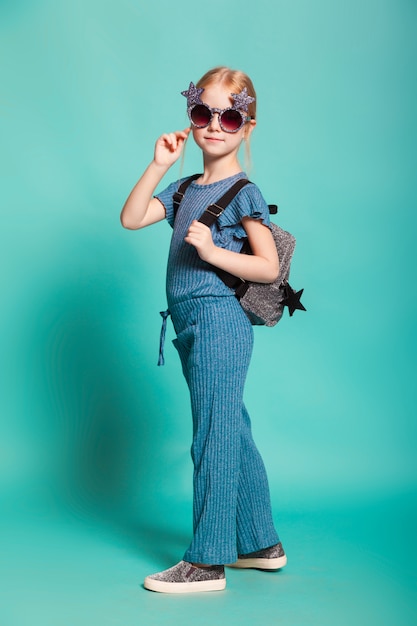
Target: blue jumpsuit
231, 503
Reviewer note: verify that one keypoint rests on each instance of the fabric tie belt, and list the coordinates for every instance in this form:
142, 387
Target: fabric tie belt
164, 315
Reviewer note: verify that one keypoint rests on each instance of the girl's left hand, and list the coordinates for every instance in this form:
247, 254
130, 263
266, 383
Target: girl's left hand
199, 236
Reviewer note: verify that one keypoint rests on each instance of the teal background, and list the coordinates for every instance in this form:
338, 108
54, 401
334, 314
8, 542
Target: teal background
95, 474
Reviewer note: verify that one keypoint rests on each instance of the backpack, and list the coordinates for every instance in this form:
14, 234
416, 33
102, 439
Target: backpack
263, 303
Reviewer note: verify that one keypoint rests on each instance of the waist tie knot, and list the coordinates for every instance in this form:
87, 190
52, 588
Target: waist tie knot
164, 315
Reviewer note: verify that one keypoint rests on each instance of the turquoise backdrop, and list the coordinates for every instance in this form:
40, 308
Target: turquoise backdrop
95, 437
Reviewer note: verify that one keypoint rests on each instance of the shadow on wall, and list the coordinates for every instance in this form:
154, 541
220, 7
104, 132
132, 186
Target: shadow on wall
98, 404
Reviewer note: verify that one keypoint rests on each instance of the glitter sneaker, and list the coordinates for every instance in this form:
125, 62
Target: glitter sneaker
187, 578
272, 558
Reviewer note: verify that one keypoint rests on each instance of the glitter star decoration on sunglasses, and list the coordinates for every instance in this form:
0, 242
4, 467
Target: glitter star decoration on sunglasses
193, 94
241, 100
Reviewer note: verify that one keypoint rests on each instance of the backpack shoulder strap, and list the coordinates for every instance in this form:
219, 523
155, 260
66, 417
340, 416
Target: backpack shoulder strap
179, 194
213, 211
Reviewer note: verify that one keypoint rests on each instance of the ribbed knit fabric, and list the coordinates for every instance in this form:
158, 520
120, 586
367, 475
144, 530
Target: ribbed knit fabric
187, 275
231, 511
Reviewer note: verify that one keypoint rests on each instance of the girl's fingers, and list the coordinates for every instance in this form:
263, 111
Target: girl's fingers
168, 139
172, 139
168, 146
184, 133
175, 136
197, 227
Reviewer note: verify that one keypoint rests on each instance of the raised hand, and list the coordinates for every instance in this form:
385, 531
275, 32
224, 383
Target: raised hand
169, 146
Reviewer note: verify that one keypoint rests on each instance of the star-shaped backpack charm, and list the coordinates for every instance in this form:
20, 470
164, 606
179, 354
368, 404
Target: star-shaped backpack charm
193, 94
241, 100
292, 299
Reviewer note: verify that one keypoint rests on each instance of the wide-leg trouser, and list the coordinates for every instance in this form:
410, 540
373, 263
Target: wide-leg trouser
231, 505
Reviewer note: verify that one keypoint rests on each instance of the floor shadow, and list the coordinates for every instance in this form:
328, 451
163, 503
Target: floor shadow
165, 545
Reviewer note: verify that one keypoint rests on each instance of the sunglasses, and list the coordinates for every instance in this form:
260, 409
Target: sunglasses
230, 120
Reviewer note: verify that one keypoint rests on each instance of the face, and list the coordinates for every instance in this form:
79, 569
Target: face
212, 139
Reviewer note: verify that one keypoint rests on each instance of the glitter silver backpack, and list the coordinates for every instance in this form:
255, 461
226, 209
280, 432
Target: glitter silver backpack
263, 303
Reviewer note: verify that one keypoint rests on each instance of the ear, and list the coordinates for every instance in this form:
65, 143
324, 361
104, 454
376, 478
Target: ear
249, 126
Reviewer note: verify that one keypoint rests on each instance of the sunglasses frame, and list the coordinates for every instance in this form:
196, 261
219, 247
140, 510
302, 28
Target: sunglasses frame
212, 110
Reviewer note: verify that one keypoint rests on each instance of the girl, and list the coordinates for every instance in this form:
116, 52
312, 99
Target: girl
232, 517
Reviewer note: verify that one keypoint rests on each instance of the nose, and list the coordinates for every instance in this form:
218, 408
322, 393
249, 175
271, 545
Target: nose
214, 122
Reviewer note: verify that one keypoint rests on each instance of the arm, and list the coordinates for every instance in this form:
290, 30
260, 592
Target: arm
141, 209
261, 267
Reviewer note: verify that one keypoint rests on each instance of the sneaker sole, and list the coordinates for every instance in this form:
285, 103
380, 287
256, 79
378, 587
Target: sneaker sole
192, 587
266, 564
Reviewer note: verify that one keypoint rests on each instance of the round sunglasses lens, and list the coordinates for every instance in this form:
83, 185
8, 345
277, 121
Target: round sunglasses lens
200, 115
231, 120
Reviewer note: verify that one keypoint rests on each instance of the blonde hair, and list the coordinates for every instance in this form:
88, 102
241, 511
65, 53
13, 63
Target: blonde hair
236, 81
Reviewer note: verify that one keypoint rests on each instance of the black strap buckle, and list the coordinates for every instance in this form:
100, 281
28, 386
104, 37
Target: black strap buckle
177, 197
215, 210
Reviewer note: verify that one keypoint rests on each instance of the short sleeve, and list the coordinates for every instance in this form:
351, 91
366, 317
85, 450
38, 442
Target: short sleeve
165, 197
249, 202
